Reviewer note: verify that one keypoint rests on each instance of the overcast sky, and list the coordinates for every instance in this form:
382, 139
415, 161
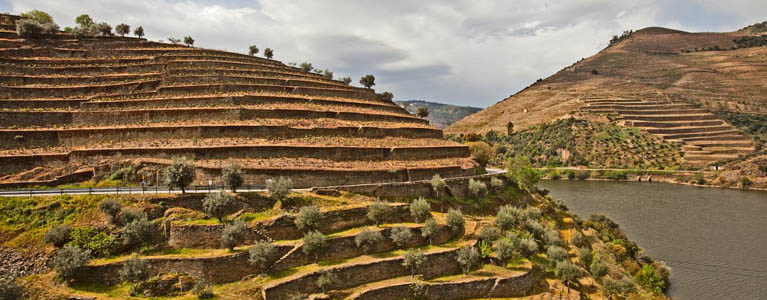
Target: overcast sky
468, 52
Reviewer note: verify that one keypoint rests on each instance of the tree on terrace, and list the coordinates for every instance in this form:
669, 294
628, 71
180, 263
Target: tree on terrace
139, 32
252, 50
268, 53
122, 29
188, 40
368, 81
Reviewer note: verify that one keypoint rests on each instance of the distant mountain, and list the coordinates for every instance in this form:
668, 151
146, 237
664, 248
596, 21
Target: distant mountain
440, 115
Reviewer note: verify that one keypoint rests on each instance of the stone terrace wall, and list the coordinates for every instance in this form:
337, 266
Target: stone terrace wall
458, 187
471, 288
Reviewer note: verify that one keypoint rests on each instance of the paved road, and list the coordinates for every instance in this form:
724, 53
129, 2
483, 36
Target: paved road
149, 190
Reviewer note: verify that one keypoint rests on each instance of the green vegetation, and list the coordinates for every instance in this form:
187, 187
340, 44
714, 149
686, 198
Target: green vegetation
751, 41
455, 220
414, 259
314, 241
180, 173
252, 50
753, 125
400, 236
378, 211
368, 81
58, 236
279, 188
139, 32
111, 208
367, 239
268, 53
122, 29
618, 38
218, 205
308, 218
94, 241
263, 254
477, 188
468, 257
69, 260
134, 270
189, 41
231, 174
420, 209
306, 66
234, 235
9, 289
481, 152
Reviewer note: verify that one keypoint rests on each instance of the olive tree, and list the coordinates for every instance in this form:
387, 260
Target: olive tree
585, 256
252, 50
420, 209
346, 80
597, 268
455, 220
268, 53
180, 173
378, 211
231, 174
528, 246
368, 239
468, 257
279, 189
306, 66
387, 96
139, 231
234, 235
505, 249
578, 239
430, 227
218, 205
326, 279
508, 217
490, 234
552, 238
401, 235
477, 188
327, 74
111, 208
422, 112
438, 184
262, 255
189, 41
134, 270
314, 241
481, 152
308, 218
68, 260
556, 254
521, 170
413, 260
122, 29
368, 81
139, 32
58, 236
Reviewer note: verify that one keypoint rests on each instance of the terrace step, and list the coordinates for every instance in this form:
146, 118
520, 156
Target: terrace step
674, 124
670, 111
728, 134
668, 117
690, 129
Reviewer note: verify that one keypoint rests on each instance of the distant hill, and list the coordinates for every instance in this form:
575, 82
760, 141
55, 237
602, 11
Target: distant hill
440, 115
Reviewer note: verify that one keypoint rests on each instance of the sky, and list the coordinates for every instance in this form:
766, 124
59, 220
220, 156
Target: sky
464, 52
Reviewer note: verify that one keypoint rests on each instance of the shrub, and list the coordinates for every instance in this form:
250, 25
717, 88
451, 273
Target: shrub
268, 53
58, 236
420, 209
134, 270
37, 16
490, 234
401, 235
314, 241
422, 112
438, 184
531, 214
234, 235
84, 20
619, 287
139, 232
111, 208
578, 239
308, 218
597, 269
699, 178
188, 40
368, 81
481, 152
94, 241
28, 29
50, 28
429, 228
477, 188
387, 96
455, 220
528, 246
585, 256
139, 32
327, 74
508, 217
263, 254
129, 214
326, 280
552, 238
252, 50
9, 290
68, 260
306, 66
535, 228
650, 280
368, 239
202, 290
745, 181
567, 271
218, 205
231, 174
378, 211
468, 257
122, 29
279, 189
505, 249
413, 260
346, 80
555, 254
496, 183
180, 173
521, 170
102, 29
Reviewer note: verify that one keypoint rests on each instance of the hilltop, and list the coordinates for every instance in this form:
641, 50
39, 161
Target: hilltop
669, 83
440, 115
87, 105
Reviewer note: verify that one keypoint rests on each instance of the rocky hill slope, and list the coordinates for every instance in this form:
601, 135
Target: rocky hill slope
73, 107
440, 115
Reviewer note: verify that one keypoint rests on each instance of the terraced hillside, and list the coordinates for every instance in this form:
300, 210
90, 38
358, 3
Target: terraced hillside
70, 106
704, 139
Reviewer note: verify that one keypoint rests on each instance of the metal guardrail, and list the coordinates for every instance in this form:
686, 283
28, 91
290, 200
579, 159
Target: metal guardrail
126, 190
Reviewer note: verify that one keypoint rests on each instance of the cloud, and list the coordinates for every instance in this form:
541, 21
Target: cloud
469, 52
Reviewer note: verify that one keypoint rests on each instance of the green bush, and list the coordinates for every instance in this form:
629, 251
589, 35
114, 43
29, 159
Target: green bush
306, 66
481, 152
528, 247
346, 80
29, 29
9, 290
180, 173
139, 232
263, 254
745, 181
578, 239
94, 241
203, 290
477, 188
279, 189
368, 239
521, 170
122, 29
231, 174
234, 235
597, 268
455, 220
387, 96
567, 271
401, 235
268, 53
218, 205
496, 183
531, 214
378, 211
58, 236
420, 209
438, 184
429, 228
585, 256
134, 270
505, 249
111, 208
68, 260
326, 279
556, 254
490, 234
552, 238
650, 280
314, 241
308, 218
188, 40
508, 217
368, 81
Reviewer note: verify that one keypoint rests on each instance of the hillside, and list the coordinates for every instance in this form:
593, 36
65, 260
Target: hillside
77, 108
440, 115
662, 81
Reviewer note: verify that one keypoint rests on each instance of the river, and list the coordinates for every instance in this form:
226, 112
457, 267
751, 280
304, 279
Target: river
714, 240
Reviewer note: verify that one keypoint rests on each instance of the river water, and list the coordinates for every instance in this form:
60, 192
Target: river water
714, 240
